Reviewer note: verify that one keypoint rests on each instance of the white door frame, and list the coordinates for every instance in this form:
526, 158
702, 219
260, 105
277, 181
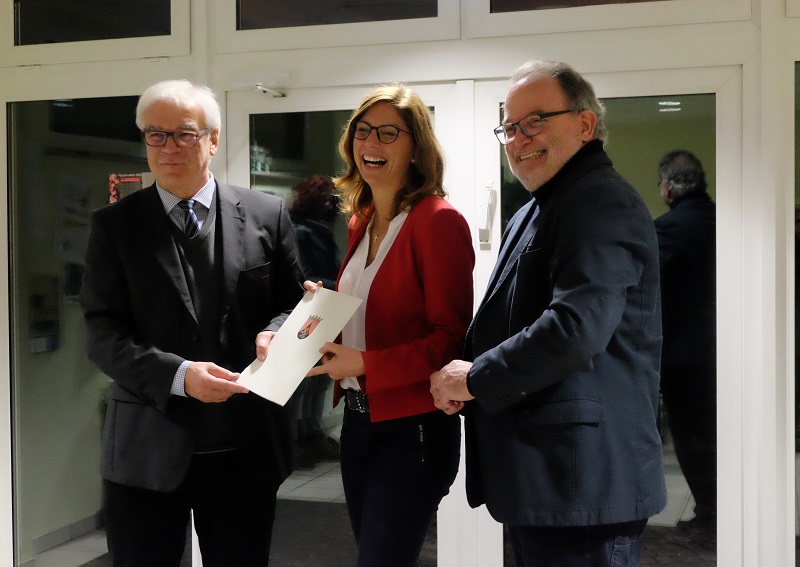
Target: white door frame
465, 113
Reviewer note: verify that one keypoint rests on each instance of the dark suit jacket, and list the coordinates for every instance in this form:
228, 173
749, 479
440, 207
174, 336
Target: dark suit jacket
687, 245
141, 325
566, 348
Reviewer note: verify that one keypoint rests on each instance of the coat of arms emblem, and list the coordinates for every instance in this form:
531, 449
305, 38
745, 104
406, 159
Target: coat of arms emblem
308, 327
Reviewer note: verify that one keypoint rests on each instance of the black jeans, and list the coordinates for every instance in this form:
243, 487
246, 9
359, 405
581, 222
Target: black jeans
612, 545
690, 398
395, 473
233, 520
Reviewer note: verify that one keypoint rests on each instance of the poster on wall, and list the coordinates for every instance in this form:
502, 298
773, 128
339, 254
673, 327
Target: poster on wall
72, 231
120, 185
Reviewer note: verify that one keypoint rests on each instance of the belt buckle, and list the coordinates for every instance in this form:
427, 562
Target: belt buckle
357, 401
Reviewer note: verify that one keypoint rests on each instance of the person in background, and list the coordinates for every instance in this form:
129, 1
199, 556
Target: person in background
562, 358
313, 209
185, 281
687, 248
410, 259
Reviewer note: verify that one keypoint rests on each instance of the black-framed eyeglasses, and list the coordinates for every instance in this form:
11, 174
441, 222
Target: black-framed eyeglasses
531, 125
182, 139
386, 132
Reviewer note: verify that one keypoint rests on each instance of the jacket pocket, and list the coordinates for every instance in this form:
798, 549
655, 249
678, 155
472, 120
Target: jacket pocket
257, 272
562, 412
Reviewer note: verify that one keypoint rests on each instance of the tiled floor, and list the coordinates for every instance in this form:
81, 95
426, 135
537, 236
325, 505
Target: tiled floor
323, 484
75, 553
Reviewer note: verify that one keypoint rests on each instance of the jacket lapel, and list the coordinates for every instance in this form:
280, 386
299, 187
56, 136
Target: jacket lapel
519, 237
157, 237
233, 220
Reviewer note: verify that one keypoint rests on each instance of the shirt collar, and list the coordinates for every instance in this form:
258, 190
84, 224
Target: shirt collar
204, 196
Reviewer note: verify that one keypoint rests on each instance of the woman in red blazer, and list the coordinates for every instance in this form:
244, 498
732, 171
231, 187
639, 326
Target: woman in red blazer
410, 258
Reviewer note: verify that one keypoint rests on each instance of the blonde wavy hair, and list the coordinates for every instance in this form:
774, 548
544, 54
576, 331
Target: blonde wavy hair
425, 174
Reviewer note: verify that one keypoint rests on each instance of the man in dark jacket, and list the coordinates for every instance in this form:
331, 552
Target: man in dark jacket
185, 281
687, 246
561, 438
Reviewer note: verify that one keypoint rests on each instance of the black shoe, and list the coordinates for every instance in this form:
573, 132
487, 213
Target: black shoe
698, 528
302, 458
322, 448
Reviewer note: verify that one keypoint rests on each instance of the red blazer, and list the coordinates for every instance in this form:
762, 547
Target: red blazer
418, 309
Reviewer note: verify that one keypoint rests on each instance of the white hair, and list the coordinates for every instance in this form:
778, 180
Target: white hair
183, 94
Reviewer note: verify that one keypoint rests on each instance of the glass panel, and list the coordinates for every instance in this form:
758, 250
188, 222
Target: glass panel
288, 150
642, 130
265, 14
62, 153
796, 313
60, 21
501, 6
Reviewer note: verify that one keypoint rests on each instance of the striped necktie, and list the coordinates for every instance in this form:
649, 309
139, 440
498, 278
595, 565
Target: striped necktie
191, 225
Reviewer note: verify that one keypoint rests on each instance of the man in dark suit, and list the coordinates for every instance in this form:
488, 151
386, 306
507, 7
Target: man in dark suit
687, 245
561, 438
183, 280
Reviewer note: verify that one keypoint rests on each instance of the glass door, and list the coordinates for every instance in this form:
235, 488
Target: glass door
481, 186
284, 146
67, 157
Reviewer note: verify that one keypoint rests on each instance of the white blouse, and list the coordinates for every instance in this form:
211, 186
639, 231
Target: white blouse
357, 280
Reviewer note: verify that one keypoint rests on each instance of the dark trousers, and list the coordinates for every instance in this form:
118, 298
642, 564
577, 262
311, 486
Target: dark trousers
233, 520
395, 473
690, 398
612, 545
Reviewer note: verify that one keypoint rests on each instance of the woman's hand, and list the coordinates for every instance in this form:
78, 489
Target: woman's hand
311, 286
339, 362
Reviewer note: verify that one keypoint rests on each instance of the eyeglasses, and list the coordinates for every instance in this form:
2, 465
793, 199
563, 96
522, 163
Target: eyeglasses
531, 125
386, 133
182, 139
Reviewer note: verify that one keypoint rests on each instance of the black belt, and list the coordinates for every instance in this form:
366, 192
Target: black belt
356, 400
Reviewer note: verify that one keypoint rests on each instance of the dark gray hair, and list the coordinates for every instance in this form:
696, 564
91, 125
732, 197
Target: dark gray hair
683, 172
577, 90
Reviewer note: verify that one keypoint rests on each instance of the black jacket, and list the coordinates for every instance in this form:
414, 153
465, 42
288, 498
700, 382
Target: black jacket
140, 326
566, 348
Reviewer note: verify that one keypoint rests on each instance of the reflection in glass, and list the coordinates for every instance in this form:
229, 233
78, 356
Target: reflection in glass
61, 155
266, 14
500, 6
60, 21
640, 134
